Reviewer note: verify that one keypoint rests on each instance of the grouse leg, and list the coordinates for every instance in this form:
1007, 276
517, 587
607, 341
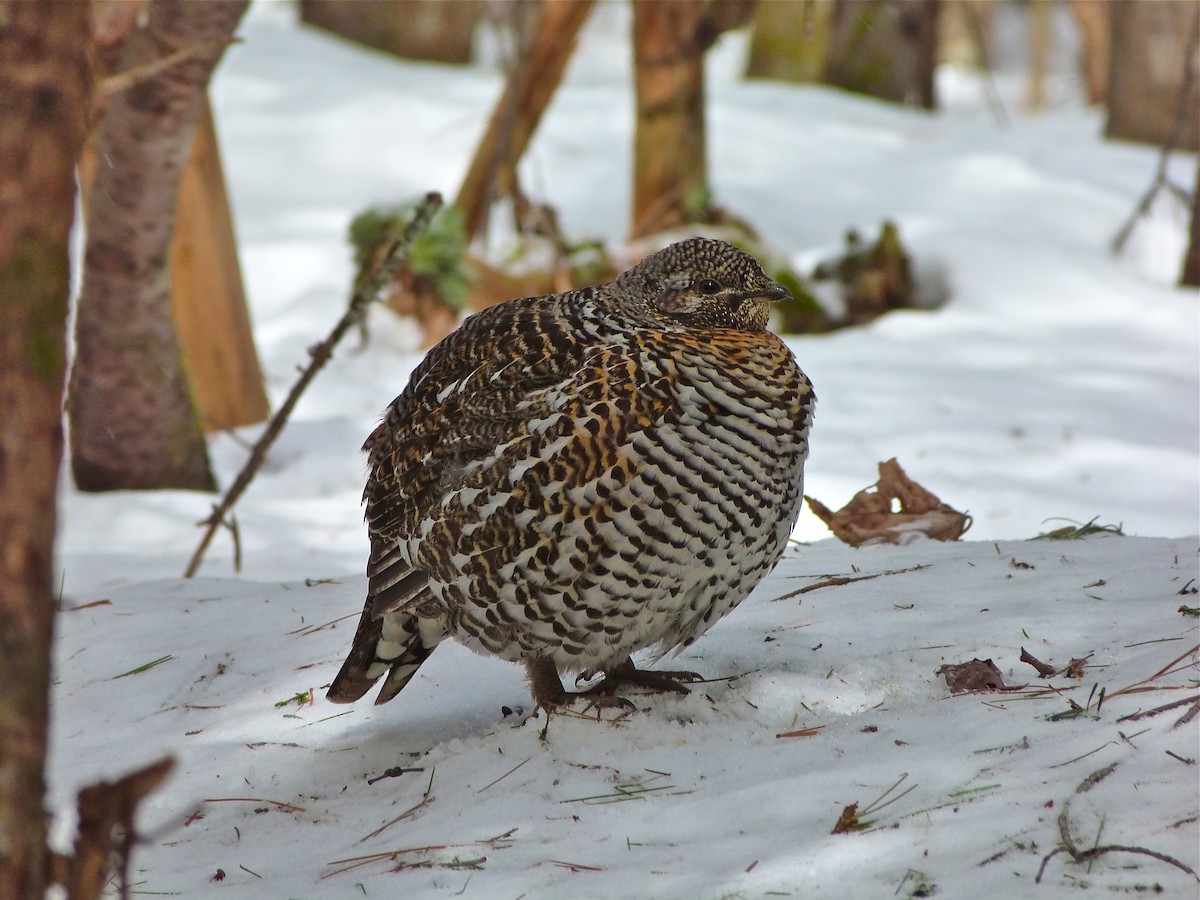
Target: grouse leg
548, 692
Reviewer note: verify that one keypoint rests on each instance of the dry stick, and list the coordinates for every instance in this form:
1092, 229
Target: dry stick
1160, 176
122, 81
1189, 715
320, 354
839, 580
408, 813
278, 803
1168, 669
1134, 717
1069, 846
107, 832
1046, 671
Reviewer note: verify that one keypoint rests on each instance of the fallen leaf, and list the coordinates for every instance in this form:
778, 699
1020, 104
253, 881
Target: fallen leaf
870, 517
849, 821
976, 675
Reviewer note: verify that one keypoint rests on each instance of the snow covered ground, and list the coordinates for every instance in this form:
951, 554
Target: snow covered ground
1058, 382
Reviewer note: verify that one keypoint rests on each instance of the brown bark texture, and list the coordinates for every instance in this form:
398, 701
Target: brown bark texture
885, 49
1153, 84
670, 167
516, 115
44, 85
134, 423
416, 29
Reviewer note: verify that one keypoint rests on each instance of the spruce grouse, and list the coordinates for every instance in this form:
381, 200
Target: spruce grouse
569, 479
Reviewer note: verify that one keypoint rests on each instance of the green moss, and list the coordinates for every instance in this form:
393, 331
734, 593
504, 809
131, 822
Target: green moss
803, 300
438, 253
589, 263
34, 284
698, 204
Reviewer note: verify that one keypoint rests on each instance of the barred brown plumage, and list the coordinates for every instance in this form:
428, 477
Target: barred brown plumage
569, 479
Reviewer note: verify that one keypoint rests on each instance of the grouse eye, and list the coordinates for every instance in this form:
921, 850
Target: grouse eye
708, 285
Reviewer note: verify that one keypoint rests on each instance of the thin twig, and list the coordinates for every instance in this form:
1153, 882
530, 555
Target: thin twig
320, 354
407, 814
278, 803
505, 775
394, 772
1069, 846
802, 733
1168, 669
312, 629
1133, 717
839, 580
123, 81
1189, 715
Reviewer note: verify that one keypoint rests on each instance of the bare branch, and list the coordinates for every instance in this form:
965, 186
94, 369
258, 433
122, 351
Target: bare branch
1071, 848
371, 288
122, 81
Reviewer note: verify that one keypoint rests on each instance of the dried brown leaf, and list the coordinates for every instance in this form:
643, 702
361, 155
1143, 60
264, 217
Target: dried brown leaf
869, 516
848, 821
976, 675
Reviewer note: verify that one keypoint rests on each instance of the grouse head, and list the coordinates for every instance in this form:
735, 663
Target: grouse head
700, 283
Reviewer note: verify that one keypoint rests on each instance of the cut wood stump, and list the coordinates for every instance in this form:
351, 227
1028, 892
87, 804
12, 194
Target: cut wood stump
208, 301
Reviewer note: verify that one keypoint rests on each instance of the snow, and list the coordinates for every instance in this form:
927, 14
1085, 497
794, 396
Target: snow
1058, 382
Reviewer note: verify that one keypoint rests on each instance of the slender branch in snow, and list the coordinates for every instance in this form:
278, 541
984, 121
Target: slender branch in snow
367, 292
1072, 849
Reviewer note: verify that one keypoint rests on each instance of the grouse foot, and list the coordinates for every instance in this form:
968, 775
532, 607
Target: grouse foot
548, 692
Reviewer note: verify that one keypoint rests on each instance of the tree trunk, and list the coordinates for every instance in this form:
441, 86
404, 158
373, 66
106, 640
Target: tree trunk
670, 165
1153, 88
516, 115
417, 29
134, 423
1092, 16
965, 29
1190, 277
44, 87
885, 49
1041, 46
788, 43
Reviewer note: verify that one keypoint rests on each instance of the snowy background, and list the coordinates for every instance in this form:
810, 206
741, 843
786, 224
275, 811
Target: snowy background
1058, 383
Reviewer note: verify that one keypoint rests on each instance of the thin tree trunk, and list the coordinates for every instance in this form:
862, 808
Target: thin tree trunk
519, 109
1041, 45
1092, 18
134, 423
670, 165
44, 87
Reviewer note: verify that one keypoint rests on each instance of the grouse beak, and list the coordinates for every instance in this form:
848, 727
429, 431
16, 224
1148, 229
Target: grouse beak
775, 292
